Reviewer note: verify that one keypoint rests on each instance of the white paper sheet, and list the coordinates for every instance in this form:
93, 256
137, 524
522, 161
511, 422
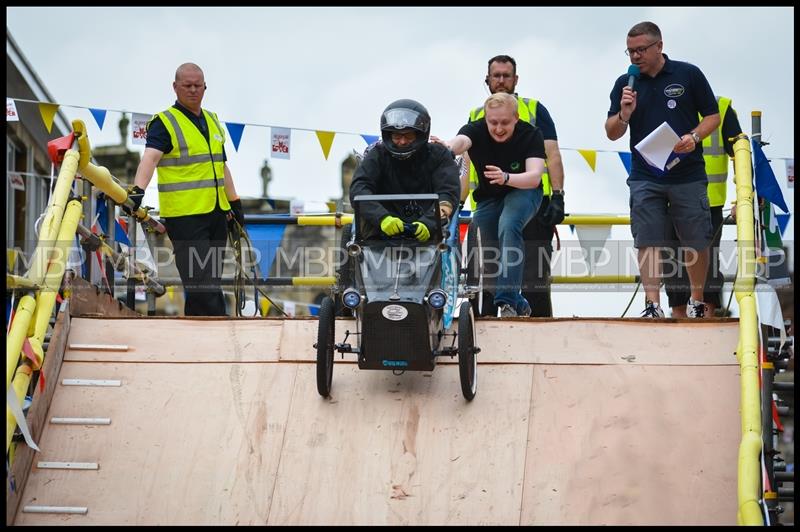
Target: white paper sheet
656, 148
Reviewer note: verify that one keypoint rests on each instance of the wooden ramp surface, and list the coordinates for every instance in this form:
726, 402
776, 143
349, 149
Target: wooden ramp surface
578, 421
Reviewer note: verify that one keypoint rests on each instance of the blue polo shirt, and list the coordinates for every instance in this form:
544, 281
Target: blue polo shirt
676, 95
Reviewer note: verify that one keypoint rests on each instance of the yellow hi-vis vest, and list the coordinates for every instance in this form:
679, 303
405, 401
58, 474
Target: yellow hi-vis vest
191, 175
716, 159
526, 108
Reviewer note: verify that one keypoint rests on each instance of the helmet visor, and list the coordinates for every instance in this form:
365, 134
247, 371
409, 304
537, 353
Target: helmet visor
403, 119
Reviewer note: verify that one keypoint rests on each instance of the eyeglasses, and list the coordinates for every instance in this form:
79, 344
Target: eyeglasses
640, 50
501, 75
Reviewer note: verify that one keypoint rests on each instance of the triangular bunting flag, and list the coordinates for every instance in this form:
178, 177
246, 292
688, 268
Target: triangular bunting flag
766, 185
235, 131
11, 110
592, 239
99, 116
783, 221
590, 156
120, 233
325, 140
48, 112
625, 157
370, 139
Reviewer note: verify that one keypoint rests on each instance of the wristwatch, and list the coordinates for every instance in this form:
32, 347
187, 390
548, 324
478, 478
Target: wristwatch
558, 192
696, 137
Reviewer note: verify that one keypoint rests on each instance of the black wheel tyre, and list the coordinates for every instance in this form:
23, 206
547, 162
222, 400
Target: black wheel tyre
467, 361
325, 345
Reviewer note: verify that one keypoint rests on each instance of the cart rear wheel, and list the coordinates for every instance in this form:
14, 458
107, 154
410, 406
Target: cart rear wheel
325, 345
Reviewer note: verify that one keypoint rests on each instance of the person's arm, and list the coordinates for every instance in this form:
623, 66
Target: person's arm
458, 144
617, 123
730, 130
148, 164
687, 143
707, 125
230, 188
555, 167
365, 183
530, 178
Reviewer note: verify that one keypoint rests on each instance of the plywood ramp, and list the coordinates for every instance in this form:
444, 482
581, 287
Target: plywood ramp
219, 422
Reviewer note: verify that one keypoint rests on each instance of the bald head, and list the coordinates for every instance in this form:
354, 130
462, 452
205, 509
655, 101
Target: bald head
190, 86
187, 68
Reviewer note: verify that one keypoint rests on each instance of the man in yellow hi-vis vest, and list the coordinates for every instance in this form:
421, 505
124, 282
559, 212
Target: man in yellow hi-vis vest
196, 194
538, 233
717, 148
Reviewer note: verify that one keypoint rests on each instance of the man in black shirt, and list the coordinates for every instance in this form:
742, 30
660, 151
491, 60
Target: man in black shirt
508, 155
196, 193
676, 93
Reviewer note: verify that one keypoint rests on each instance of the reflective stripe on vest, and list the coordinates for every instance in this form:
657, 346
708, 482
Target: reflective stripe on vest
191, 176
716, 159
526, 108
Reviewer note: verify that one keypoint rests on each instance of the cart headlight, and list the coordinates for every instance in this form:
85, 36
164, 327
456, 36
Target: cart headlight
437, 298
354, 250
351, 298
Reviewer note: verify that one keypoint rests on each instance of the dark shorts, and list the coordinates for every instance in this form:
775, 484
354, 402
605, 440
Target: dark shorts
676, 278
657, 207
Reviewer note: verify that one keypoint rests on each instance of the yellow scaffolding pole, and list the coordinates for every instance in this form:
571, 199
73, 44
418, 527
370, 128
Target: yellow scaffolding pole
40, 260
749, 467
45, 303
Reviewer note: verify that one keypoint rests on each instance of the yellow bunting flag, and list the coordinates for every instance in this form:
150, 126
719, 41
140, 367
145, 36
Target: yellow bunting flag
325, 140
48, 112
590, 156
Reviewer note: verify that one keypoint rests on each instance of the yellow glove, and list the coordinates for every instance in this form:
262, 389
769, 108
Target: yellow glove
391, 225
421, 232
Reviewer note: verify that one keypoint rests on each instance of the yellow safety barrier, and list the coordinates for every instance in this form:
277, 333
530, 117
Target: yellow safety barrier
324, 220
749, 468
45, 302
596, 219
313, 281
16, 336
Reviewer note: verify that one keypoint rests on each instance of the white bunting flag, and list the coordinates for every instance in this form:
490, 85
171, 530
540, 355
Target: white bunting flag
281, 143
11, 110
139, 128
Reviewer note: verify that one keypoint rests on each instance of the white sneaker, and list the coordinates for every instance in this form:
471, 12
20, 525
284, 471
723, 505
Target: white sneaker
696, 309
652, 310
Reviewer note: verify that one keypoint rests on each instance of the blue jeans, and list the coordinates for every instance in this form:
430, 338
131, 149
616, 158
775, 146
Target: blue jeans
501, 221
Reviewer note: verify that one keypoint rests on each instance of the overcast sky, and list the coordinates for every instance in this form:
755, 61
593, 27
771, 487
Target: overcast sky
337, 68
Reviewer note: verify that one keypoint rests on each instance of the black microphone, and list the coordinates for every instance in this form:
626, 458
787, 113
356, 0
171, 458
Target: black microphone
633, 74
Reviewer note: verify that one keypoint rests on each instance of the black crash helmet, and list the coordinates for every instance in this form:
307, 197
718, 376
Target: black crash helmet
405, 114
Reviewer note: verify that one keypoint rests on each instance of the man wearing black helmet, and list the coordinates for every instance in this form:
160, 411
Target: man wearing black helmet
405, 163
